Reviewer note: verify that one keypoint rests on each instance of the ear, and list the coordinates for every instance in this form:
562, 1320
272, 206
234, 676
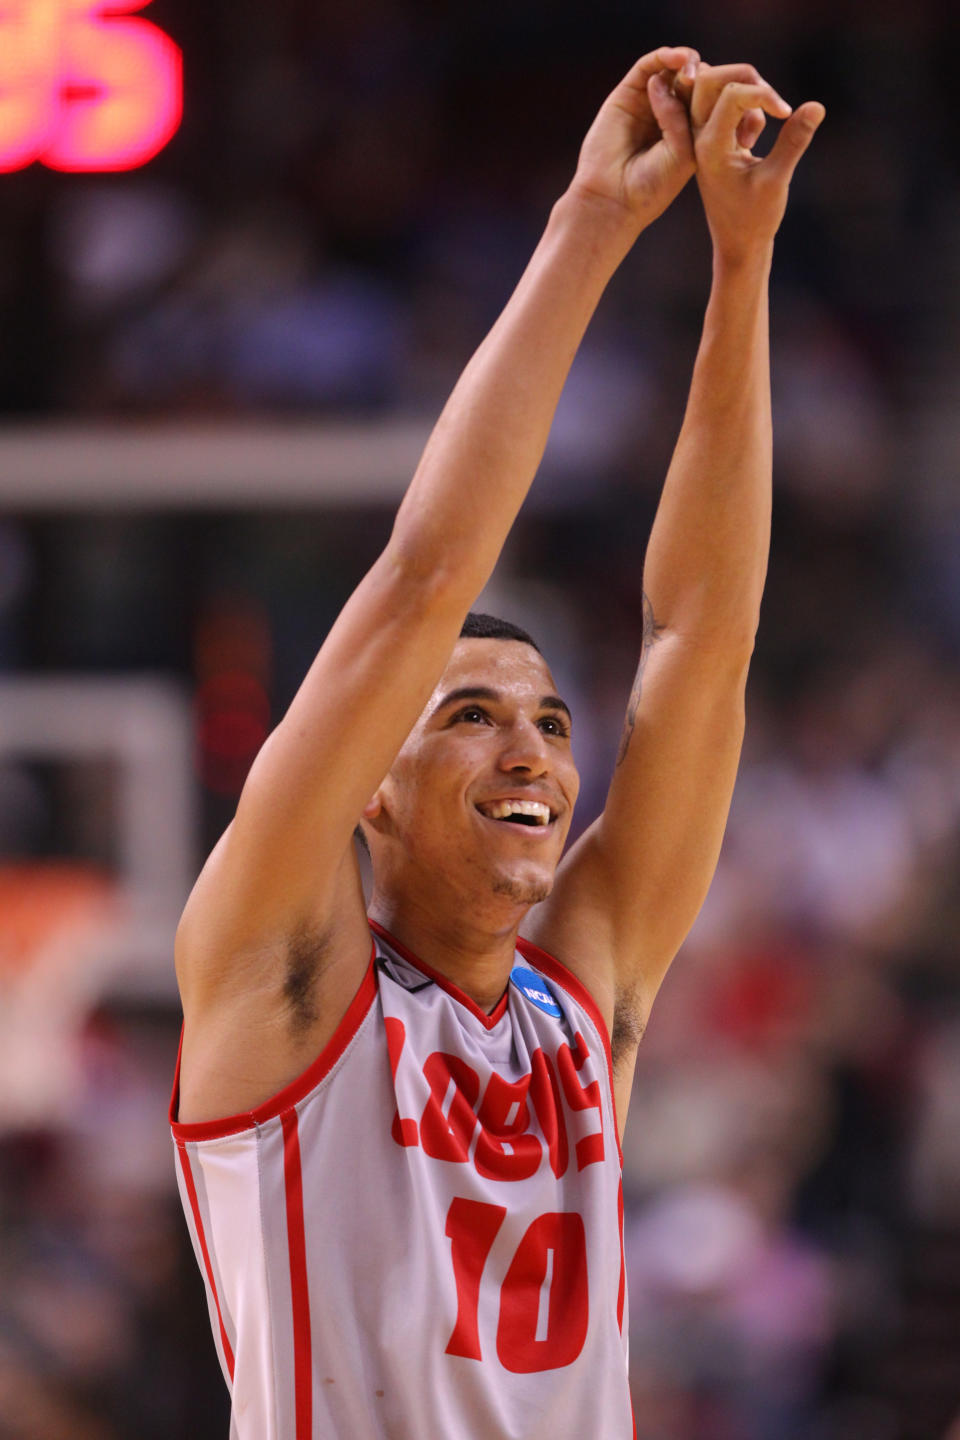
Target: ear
377, 809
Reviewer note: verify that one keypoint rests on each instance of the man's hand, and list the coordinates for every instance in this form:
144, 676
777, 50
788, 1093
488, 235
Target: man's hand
638, 153
744, 197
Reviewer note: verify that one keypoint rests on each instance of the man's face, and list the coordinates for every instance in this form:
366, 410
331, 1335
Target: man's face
480, 798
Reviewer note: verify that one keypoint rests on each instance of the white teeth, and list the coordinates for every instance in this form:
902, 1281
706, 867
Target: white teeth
501, 809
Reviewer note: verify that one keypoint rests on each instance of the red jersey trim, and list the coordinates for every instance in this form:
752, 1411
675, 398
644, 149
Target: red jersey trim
556, 971
299, 1290
298, 1089
195, 1208
622, 1292
462, 998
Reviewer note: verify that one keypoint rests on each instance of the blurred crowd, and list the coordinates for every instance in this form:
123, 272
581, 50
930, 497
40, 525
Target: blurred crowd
354, 192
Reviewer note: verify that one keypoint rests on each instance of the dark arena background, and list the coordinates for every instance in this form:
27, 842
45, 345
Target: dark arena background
224, 334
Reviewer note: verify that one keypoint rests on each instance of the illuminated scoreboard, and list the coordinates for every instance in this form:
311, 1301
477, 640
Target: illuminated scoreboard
85, 85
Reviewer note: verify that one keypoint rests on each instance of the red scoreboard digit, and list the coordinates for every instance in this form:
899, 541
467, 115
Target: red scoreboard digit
85, 85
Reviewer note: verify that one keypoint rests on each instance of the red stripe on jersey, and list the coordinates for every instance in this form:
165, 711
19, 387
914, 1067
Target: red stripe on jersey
297, 1089
555, 970
195, 1207
299, 1292
622, 1292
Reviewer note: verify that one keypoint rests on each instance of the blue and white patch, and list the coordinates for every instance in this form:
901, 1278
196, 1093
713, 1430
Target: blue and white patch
536, 989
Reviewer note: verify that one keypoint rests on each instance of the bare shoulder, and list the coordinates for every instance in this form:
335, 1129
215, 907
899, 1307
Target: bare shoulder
576, 925
274, 1002
570, 943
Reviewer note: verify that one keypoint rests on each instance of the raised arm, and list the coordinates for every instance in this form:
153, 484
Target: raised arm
273, 940
629, 891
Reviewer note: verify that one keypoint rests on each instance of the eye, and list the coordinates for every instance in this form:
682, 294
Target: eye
554, 725
472, 715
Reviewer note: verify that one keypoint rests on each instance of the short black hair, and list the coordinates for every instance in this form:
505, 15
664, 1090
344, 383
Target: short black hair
478, 626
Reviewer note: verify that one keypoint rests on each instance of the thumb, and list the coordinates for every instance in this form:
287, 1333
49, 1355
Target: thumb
671, 115
795, 135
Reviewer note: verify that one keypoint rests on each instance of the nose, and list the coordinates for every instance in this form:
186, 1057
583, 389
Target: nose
525, 750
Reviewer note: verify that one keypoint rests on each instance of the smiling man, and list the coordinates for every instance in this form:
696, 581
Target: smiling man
477, 804
398, 1132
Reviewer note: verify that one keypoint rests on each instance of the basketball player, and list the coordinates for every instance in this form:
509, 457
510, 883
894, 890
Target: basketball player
398, 1135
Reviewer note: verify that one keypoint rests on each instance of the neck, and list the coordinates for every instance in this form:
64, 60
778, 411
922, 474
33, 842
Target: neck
476, 957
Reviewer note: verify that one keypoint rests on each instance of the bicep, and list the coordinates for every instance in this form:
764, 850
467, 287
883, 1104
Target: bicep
279, 867
662, 826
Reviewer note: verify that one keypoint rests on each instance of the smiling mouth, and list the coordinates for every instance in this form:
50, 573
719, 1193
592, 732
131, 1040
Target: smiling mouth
534, 814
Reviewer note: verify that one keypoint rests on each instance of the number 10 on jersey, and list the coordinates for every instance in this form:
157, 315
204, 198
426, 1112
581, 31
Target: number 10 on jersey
544, 1299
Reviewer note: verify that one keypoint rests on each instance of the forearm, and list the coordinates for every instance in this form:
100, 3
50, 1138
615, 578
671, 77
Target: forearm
707, 557
484, 452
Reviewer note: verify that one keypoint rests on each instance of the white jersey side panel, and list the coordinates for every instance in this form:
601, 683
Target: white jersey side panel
423, 1234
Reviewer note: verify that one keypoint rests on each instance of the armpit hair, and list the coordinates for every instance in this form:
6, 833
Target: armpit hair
628, 1027
303, 960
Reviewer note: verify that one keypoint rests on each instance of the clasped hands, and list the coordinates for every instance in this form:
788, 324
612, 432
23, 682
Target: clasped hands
673, 116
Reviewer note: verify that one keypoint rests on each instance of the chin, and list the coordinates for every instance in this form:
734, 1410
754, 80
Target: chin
523, 889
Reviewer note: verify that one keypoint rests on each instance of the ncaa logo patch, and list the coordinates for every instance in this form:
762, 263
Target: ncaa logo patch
536, 990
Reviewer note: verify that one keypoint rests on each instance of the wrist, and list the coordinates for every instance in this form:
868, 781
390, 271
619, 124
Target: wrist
744, 262
601, 223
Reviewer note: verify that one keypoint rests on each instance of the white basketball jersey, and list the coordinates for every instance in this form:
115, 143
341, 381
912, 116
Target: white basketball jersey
421, 1238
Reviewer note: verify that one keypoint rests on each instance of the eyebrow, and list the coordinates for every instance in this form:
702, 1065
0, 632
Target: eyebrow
484, 692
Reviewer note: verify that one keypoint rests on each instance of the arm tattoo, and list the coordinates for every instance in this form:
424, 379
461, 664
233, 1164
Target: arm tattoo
651, 633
